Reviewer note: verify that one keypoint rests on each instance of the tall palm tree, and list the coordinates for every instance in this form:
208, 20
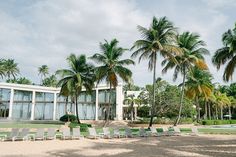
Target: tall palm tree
111, 66
11, 68
227, 54
131, 100
157, 39
222, 101
192, 55
79, 75
43, 72
198, 85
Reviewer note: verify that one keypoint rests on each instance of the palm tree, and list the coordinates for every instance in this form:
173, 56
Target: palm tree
132, 101
227, 54
21, 80
111, 66
222, 101
157, 39
198, 85
192, 55
43, 72
11, 68
2, 70
50, 81
79, 75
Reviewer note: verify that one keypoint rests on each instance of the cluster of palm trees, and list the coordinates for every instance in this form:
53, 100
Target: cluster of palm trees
8, 69
184, 52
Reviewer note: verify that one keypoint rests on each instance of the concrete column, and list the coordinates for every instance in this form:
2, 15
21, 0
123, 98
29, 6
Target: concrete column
119, 102
33, 106
54, 106
11, 103
96, 105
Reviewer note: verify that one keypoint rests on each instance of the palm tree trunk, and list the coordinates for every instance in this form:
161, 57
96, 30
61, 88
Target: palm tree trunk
209, 111
76, 107
108, 107
205, 114
132, 111
154, 94
217, 116
221, 112
181, 100
198, 110
229, 112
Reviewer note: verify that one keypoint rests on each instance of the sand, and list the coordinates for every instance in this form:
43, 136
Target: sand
200, 146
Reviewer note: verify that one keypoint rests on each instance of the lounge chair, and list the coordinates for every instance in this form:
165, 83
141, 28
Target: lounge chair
76, 133
93, 134
128, 133
24, 134
154, 132
177, 131
166, 132
14, 134
194, 131
39, 134
142, 132
66, 133
106, 133
51, 135
117, 133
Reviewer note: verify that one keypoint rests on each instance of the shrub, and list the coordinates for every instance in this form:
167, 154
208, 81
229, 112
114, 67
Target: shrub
83, 126
218, 122
68, 117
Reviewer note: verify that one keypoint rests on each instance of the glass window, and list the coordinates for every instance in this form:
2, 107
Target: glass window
5, 94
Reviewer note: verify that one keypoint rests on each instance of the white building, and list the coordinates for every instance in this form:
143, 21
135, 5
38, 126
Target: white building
30, 102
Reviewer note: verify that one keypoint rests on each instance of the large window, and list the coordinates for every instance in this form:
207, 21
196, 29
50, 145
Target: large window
4, 102
64, 105
22, 104
103, 101
43, 106
86, 105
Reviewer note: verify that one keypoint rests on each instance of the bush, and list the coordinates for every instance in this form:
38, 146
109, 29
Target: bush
218, 122
83, 126
68, 117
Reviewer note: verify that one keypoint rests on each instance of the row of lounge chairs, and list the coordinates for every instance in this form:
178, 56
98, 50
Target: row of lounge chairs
24, 134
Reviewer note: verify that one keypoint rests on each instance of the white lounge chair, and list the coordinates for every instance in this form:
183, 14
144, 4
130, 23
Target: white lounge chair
106, 133
14, 134
177, 131
93, 134
117, 134
76, 133
66, 133
128, 133
142, 132
154, 132
51, 135
39, 134
24, 134
194, 131
166, 131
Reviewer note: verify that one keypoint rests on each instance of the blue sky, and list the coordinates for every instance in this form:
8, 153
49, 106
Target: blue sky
47, 31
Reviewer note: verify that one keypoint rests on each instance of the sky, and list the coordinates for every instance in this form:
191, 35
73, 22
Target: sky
38, 32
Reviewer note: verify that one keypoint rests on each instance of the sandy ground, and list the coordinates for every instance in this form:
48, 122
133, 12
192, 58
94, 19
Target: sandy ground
200, 146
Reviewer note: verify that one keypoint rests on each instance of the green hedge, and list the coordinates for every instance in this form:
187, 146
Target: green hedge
164, 121
218, 122
68, 117
83, 126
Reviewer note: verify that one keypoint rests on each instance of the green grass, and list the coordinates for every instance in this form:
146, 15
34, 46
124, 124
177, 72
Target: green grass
28, 125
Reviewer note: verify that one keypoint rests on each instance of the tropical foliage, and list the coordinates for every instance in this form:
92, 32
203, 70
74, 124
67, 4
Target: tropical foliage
227, 54
79, 75
111, 67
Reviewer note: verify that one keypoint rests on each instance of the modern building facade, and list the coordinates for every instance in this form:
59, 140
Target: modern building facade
30, 102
